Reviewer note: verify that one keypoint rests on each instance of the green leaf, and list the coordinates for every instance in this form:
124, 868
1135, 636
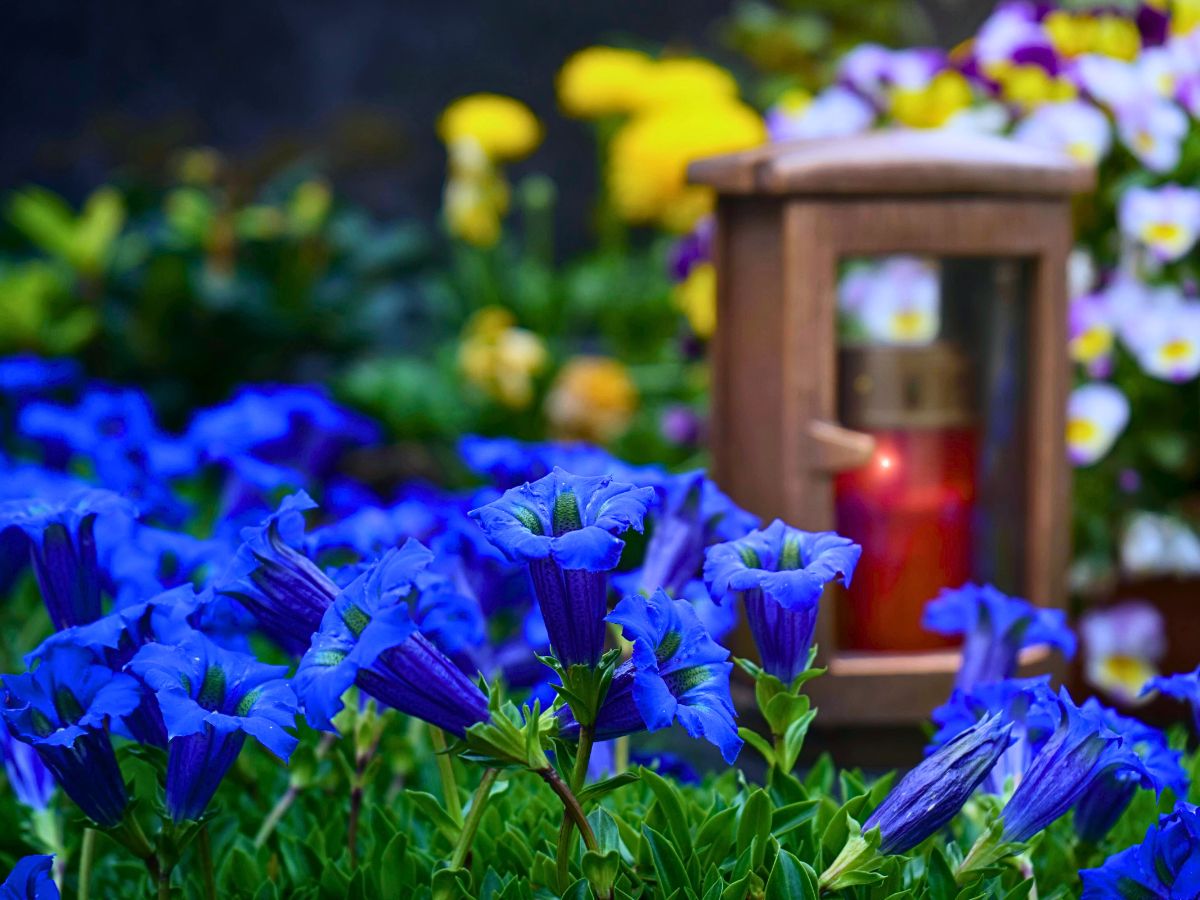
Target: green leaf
451, 884
239, 869
578, 891
668, 865
755, 820
715, 838
788, 818
394, 871
598, 789
601, 868
1021, 891
939, 877
671, 804
788, 880
759, 743
431, 807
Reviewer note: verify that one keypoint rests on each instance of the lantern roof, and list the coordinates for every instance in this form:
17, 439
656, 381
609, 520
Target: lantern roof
896, 161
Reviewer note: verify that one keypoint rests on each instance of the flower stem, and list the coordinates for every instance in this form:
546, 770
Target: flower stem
437, 737
571, 805
164, 884
204, 847
578, 777
474, 816
620, 755
284, 803
87, 850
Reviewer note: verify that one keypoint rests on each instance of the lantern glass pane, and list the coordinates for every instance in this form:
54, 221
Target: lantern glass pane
933, 363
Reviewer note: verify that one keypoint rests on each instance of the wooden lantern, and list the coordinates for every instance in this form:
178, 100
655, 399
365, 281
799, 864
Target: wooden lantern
801, 412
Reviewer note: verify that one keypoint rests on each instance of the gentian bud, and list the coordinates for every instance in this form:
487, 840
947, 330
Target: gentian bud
367, 637
285, 590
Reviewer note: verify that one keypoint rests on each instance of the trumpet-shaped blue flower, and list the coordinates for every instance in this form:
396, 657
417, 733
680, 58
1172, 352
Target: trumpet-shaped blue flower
677, 673
1027, 704
932, 793
210, 699
996, 628
1100, 807
114, 639
565, 528
28, 776
30, 879
24, 374
63, 709
1081, 751
1166, 864
780, 572
141, 561
281, 587
1185, 686
297, 428
509, 462
62, 542
367, 637
692, 513
116, 432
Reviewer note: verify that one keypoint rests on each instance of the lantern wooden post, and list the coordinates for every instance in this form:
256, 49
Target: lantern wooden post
786, 215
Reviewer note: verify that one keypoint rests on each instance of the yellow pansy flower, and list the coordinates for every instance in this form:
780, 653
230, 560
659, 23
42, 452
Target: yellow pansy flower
504, 128
1030, 86
931, 105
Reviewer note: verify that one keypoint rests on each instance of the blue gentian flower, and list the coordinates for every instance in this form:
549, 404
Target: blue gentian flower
780, 572
281, 587
28, 776
692, 513
368, 637
113, 640
21, 483
140, 561
1027, 704
294, 427
565, 528
210, 699
62, 543
116, 431
677, 673
996, 628
1184, 686
30, 879
1101, 806
1081, 751
25, 374
1166, 864
63, 709
934, 791
508, 462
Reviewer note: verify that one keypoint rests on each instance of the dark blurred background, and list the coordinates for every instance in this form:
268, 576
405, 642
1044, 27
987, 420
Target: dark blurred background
352, 88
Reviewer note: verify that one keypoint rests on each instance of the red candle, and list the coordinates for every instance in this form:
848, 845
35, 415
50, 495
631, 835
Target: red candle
911, 508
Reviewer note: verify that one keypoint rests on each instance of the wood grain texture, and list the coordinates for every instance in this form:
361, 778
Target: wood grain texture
897, 161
